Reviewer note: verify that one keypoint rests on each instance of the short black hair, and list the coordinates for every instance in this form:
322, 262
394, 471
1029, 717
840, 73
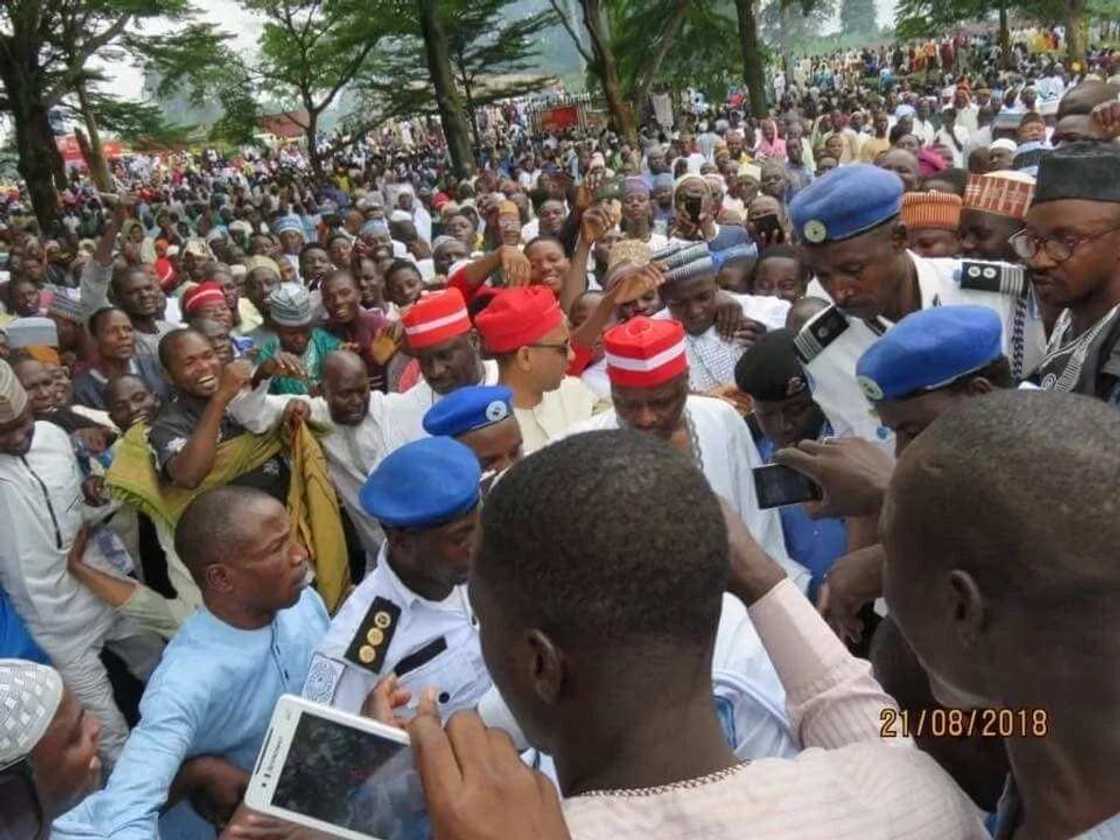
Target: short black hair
331, 240
399, 265
207, 532
100, 315
311, 246
958, 178
651, 571
545, 237
1028, 480
170, 340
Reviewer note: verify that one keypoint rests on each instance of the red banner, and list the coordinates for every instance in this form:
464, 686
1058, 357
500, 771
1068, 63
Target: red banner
559, 118
72, 152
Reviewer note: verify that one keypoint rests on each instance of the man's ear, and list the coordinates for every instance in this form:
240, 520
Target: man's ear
547, 667
899, 237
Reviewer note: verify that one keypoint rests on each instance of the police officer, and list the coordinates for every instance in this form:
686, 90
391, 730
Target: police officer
410, 616
848, 223
481, 417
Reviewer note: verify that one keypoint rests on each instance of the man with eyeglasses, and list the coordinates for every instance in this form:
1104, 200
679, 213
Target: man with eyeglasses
525, 330
1071, 242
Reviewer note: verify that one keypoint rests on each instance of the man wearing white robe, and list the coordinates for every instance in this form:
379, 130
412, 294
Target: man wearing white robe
648, 368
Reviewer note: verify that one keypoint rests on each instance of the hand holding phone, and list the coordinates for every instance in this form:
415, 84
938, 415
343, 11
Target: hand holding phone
475, 784
779, 486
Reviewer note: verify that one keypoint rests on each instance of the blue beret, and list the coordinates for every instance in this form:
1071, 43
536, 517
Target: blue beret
423, 484
846, 202
929, 349
467, 409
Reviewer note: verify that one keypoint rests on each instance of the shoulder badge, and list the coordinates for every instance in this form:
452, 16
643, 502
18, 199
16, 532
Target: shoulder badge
819, 332
1002, 278
371, 641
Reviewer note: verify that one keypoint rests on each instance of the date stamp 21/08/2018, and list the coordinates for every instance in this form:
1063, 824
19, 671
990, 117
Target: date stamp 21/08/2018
964, 723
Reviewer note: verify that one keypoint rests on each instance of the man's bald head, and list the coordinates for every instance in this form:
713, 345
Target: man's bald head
342, 363
1001, 529
346, 387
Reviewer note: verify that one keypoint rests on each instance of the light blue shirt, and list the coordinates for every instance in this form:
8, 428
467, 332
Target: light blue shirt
212, 694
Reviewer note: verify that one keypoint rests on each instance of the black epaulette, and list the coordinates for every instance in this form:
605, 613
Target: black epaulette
1003, 278
371, 641
819, 332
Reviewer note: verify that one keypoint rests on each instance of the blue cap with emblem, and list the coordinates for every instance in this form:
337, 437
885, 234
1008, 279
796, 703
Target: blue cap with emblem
423, 484
928, 350
467, 409
846, 202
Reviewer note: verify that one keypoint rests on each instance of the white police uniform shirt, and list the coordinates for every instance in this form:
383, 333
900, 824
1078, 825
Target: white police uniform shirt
712, 359
829, 350
426, 644
726, 456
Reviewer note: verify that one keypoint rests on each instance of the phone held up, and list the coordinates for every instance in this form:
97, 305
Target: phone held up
778, 486
339, 773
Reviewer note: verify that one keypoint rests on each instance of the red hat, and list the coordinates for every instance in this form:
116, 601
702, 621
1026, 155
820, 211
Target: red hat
516, 317
645, 352
202, 295
435, 318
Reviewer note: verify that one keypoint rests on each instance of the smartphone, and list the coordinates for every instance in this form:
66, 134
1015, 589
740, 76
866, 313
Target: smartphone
766, 226
778, 486
339, 773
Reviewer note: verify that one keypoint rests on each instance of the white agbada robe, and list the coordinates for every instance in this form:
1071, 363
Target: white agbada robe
833, 368
353, 452
728, 455
41, 511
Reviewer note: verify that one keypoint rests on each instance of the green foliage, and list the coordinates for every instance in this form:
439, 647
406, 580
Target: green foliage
139, 123
489, 59
793, 27
857, 16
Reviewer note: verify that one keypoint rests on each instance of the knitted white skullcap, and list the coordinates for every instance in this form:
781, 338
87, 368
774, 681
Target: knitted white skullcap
30, 694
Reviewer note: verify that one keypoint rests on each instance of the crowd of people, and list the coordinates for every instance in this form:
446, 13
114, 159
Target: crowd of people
476, 457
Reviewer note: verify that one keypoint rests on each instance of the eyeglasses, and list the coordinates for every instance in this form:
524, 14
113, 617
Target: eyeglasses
563, 348
1026, 245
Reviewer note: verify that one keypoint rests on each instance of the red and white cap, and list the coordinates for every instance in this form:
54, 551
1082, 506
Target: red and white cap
517, 317
645, 352
436, 318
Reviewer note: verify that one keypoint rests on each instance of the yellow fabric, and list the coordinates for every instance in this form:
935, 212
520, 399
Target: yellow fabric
312, 502
313, 508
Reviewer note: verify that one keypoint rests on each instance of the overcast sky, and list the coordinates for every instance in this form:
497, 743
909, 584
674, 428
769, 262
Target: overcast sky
229, 15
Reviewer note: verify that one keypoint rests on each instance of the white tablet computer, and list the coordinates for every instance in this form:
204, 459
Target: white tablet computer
339, 773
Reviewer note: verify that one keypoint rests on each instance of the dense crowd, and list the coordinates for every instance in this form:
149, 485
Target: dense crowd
479, 458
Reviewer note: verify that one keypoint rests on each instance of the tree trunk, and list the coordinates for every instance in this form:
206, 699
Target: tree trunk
313, 147
451, 116
1004, 38
1076, 26
753, 73
40, 163
607, 69
649, 73
98, 168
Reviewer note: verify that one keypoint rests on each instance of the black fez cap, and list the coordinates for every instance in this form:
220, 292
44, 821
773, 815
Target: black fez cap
770, 369
1085, 170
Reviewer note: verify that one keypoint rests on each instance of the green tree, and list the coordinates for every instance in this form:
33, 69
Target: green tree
489, 57
451, 114
857, 16
632, 19
310, 51
46, 51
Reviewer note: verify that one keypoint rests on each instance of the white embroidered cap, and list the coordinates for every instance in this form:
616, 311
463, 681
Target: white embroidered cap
30, 694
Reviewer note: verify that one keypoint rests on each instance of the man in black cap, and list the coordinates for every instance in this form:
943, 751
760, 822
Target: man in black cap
1070, 242
783, 405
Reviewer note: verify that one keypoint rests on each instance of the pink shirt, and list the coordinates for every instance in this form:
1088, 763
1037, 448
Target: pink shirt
848, 783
